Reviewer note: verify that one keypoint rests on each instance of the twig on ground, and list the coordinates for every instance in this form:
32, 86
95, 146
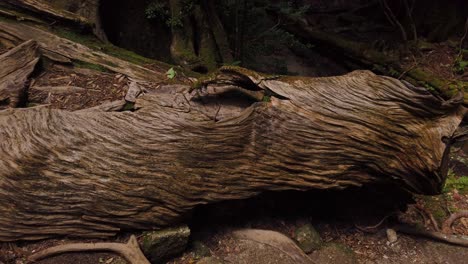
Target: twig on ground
130, 251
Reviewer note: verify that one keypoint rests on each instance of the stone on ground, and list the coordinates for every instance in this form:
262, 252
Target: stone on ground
308, 238
161, 245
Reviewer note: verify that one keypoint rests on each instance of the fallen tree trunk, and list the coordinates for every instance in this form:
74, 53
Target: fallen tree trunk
16, 67
44, 9
66, 51
94, 173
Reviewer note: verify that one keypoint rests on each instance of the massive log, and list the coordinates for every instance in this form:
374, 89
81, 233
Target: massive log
94, 173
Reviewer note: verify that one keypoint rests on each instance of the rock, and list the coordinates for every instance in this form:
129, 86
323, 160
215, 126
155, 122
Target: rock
308, 238
265, 247
158, 246
210, 260
200, 250
391, 235
332, 253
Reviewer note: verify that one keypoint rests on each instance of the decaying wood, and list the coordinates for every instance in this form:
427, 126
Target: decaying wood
94, 173
134, 90
46, 10
113, 106
16, 66
130, 251
66, 51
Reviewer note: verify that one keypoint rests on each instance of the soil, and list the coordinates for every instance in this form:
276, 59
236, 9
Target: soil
436, 59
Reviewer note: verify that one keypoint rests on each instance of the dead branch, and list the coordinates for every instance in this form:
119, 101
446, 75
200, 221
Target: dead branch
388, 11
409, 13
130, 251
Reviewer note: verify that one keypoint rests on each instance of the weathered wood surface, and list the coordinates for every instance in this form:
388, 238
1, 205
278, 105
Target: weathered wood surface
66, 51
16, 66
94, 173
44, 9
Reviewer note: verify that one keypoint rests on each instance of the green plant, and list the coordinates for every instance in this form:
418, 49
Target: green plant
159, 10
456, 182
171, 73
254, 35
460, 65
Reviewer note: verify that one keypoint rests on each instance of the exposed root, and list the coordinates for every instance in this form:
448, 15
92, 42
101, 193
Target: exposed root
434, 223
444, 236
447, 225
372, 229
130, 251
451, 239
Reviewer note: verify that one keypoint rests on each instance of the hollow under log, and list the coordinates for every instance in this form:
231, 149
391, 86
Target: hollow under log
95, 173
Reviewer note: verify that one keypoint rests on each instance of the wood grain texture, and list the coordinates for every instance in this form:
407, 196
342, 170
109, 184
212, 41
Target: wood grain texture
65, 51
94, 173
44, 9
16, 66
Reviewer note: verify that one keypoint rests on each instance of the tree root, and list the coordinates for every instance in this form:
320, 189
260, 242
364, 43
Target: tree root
372, 229
130, 251
423, 210
447, 225
444, 236
451, 239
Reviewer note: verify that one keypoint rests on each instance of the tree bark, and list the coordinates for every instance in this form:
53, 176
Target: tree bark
95, 173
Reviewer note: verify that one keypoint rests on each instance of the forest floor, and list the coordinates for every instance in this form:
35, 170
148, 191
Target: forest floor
337, 219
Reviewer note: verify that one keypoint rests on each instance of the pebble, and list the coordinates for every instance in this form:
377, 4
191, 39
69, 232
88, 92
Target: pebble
391, 235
